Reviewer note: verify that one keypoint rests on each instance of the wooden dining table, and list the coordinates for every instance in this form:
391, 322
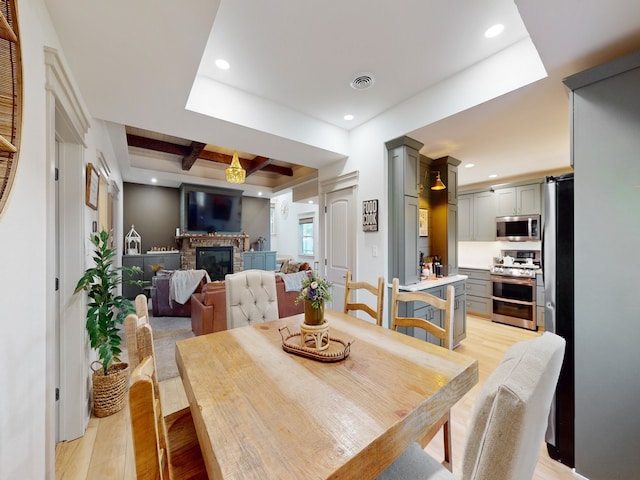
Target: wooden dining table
263, 413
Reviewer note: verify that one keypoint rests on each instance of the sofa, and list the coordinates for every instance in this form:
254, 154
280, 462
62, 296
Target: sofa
209, 312
161, 306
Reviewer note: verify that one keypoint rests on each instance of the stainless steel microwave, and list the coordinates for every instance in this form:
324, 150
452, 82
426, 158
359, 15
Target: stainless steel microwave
518, 229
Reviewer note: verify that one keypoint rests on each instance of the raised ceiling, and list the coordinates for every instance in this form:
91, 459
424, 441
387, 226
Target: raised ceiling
148, 65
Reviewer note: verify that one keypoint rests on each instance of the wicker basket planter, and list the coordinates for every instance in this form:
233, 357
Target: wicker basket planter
109, 391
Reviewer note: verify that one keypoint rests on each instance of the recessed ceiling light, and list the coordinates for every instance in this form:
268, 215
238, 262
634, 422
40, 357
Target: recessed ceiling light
493, 175
310, 201
259, 194
154, 180
494, 30
222, 64
470, 165
348, 117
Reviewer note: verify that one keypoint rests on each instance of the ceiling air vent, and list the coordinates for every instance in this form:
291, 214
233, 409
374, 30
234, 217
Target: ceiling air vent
362, 81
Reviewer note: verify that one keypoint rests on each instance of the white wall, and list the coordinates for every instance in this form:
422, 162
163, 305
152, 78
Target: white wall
480, 254
25, 448
285, 241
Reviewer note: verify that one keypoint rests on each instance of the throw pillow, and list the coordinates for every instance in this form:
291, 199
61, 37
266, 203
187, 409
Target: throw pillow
285, 266
293, 267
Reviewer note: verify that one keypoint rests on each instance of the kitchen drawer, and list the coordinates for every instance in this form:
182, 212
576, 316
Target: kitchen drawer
459, 288
479, 289
475, 273
479, 306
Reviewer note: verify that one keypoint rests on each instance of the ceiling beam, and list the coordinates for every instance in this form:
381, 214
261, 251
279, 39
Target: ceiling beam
157, 145
259, 163
195, 151
189, 160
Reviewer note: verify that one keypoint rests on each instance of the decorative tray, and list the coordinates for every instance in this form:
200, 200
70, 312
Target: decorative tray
337, 350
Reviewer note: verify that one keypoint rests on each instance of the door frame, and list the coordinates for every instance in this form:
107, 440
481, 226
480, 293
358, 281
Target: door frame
348, 181
67, 123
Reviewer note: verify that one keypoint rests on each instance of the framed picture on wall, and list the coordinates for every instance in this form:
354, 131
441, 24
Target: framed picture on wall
93, 183
423, 222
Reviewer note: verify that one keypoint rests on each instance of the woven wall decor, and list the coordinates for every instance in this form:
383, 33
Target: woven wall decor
10, 97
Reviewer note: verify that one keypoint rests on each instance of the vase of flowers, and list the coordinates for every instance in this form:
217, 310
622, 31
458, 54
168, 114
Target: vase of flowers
315, 291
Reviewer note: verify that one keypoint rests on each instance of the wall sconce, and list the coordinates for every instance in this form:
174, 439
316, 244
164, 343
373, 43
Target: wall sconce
438, 184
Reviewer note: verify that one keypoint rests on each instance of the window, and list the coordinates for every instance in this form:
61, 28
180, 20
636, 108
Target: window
272, 219
305, 234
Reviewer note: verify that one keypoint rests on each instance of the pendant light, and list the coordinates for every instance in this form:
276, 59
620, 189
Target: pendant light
234, 172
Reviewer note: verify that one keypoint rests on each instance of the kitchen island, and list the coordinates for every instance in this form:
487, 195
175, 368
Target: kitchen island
438, 288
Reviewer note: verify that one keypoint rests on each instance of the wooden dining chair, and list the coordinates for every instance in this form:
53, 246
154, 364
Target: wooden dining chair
378, 292
442, 332
166, 447
251, 297
508, 422
131, 324
142, 306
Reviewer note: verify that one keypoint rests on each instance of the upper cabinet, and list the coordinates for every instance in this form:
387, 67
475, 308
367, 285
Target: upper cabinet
477, 217
520, 200
403, 160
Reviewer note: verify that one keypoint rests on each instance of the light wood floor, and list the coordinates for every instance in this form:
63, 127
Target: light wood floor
106, 451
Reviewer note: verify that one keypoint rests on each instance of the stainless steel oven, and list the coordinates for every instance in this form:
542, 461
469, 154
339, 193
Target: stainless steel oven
513, 283
514, 301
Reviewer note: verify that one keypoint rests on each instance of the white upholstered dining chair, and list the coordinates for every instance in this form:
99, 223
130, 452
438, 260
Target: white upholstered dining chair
251, 297
508, 421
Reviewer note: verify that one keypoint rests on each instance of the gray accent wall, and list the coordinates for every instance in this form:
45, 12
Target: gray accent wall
155, 212
606, 155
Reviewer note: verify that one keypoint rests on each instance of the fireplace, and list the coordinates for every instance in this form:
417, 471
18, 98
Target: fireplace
217, 261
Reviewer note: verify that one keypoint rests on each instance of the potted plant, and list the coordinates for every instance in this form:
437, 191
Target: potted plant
106, 311
315, 291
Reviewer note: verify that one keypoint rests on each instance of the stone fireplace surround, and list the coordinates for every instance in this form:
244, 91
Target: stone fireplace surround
187, 245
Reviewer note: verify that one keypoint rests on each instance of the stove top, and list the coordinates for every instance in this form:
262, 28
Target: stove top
526, 263
515, 270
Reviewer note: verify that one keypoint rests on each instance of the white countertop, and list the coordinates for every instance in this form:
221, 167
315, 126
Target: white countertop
427, 284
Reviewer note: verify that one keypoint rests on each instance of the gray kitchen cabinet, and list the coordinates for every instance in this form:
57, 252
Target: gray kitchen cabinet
605, 122
477, 217
478, 289
261, 260
169, 261
403, 209
459, 313
466, 215
519, 200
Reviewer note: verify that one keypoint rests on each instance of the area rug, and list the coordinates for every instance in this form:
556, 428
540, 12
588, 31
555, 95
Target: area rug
166, 332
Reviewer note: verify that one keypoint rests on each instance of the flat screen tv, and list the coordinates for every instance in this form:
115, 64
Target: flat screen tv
208, 210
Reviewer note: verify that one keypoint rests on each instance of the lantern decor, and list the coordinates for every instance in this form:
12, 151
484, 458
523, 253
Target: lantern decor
133, 242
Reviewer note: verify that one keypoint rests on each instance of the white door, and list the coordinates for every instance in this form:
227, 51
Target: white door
340, 219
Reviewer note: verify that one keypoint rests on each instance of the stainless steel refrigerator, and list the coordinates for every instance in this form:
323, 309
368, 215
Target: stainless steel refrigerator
558, 274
